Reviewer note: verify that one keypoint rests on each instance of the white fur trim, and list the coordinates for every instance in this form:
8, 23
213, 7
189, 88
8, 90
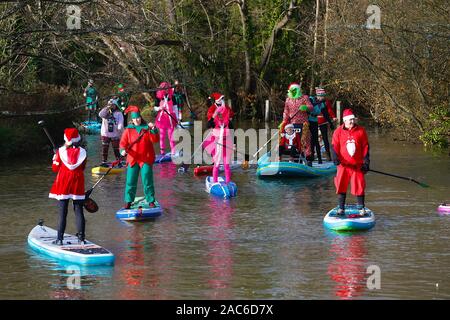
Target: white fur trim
64, 159
66, 196
72, 140
294, 86
351, 116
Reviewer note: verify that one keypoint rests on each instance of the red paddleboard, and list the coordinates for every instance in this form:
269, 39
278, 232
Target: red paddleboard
203, 170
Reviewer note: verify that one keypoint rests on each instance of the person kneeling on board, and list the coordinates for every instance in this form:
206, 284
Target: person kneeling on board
69, 163
290, 143
112, 127
350, 152
137, 144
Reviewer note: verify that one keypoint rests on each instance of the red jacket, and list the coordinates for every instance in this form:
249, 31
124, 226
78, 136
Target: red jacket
296, 141
69, 164
321, 119
142, 151
213, 108
351, 146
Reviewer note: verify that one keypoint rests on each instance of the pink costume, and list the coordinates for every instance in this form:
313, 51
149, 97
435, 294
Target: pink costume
163, 121
220, 143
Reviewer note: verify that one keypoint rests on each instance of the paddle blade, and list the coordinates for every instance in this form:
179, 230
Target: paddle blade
183, 168
245, 165
90, 205
423, 185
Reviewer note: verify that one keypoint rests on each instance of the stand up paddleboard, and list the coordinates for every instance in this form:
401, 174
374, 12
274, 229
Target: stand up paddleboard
41, 237
166, 157
352, 221
444, 208
186, 124
281, 169
139, 210
101, 170
220, 188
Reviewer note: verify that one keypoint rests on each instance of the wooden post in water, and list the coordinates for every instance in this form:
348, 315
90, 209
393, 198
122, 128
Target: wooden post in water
266, 114
338, 112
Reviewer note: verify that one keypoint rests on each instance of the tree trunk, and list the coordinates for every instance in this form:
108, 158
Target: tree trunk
311, 87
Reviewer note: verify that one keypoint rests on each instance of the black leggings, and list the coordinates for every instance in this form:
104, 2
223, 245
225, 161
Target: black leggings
324, 130
343, 196
63, 206
293, 152
315, 146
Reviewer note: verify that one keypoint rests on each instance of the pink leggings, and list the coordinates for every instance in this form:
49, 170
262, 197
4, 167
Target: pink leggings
227, 173
162, 139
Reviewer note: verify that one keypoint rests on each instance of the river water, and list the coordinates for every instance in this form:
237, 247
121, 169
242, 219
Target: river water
267, 243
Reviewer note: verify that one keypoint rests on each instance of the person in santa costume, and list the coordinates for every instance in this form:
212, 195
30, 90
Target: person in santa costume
137, 144
319, 109
69, 163
350, 151
166, 118
290, 143
220, 142
296, 110
215, 101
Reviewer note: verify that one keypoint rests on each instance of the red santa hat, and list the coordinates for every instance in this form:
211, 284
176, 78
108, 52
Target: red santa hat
294, 85
71, 135
290, 125
348, 114
216, 96
135, 112
320, 92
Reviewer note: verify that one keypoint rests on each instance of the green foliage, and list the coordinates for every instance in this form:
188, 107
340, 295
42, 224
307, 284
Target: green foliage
438, 132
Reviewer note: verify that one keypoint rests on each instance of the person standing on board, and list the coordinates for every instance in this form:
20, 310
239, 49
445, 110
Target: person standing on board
69, 163
166, 118
350, 150
112, 128
220, 143
90, 93
296, 110
319, 109
137, 144
323, 123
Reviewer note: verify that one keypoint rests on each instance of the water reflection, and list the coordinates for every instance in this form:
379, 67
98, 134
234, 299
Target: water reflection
348, 269
72, 280
220, 257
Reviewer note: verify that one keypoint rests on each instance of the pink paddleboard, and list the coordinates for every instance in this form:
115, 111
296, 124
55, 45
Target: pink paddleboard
444, 208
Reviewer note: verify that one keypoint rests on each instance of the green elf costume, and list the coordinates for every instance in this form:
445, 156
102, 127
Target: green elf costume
90, 93
137, 143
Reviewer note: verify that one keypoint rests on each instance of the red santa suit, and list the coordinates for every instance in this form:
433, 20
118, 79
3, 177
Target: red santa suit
287, 141
69, 164
351, 147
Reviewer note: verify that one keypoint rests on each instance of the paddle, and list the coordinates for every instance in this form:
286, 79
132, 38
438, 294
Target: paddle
42, 124
184, 167
423, 185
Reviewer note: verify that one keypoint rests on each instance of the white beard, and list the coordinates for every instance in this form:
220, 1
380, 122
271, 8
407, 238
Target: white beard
351, 147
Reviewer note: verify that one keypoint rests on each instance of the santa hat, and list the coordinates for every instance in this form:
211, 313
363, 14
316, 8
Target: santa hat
320, 92
135, 113
90, 81
290, 125
216, 96
348, 114
294, 85
71, 135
